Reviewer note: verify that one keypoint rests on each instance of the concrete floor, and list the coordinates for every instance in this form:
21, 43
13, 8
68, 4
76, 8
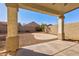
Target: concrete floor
52, 48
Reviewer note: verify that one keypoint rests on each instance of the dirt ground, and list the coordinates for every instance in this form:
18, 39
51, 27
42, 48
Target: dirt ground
25, 39
29, 39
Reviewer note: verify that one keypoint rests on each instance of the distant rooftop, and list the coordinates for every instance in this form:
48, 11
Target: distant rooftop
32, 23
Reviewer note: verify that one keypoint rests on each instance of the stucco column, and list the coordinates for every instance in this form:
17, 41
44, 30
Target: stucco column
61, 27
12, 42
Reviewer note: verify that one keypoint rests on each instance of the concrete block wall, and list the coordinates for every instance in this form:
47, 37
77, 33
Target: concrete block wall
71, 30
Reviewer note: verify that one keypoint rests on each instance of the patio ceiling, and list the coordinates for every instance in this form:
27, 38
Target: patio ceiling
55, 9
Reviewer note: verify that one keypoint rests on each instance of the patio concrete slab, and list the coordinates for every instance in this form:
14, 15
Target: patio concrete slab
73, 51
47, 48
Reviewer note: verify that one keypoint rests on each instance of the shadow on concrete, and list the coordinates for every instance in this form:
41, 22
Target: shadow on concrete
27, 52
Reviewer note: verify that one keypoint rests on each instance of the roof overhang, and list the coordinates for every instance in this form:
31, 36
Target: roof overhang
55, 9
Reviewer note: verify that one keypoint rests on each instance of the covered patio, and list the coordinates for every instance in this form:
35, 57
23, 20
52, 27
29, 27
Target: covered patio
54, 9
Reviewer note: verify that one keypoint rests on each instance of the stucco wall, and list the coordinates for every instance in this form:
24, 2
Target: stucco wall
71, 31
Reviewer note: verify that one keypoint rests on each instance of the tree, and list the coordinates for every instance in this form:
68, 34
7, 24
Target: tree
38, 28
43, 26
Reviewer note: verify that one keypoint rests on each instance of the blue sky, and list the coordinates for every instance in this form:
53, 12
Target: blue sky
26, 16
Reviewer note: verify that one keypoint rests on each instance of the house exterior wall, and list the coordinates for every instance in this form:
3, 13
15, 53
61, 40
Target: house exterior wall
30, 28
3, 28
21, 28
